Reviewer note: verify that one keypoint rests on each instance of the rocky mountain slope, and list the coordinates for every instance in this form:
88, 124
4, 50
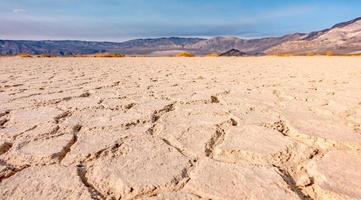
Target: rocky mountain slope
232, 53
343, 38
140, 46
222, 44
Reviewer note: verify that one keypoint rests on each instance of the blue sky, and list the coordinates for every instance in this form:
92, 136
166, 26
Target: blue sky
118, 20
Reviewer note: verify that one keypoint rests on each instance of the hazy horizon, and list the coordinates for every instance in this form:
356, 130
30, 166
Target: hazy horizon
120, 20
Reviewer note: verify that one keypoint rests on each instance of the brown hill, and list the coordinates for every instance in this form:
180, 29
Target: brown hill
233, 52
343, 38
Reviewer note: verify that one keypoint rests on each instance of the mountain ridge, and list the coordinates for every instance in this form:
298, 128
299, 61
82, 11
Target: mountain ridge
343, 38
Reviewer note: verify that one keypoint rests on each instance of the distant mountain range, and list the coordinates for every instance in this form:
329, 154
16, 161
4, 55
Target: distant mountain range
343, 38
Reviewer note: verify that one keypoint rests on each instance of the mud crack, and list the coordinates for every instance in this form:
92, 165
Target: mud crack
62, 116
177, 184
4, 147
9, 170
291, 164
158, 113
4, 113
67, 148
218, 136
134, 124
3, 122
94, 193
292, 184
30, 129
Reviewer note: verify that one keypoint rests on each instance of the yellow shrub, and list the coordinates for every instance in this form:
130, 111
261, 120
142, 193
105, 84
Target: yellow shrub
25, 55
311, 54
212, 55
330, 53
109, 55
44, 56
185, 54
283, 54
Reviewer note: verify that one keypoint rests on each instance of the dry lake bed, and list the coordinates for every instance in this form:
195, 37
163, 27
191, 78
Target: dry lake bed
180, 128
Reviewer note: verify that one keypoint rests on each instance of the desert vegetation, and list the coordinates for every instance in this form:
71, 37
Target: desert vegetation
283, 54
311, 54
212, 55
330, 53
109, 55
25, 55
185, 54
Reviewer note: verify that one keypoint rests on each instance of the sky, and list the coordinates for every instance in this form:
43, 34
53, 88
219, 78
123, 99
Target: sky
120, 20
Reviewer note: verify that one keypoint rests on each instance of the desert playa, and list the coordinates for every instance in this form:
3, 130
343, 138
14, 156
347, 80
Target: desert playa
180, 128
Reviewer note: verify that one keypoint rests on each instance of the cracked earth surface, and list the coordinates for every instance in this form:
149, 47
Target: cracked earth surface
180, 128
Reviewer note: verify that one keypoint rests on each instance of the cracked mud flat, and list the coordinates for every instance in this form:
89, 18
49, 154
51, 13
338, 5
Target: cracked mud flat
180, 128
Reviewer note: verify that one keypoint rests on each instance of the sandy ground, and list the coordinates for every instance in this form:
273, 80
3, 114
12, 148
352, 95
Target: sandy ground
180, 128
